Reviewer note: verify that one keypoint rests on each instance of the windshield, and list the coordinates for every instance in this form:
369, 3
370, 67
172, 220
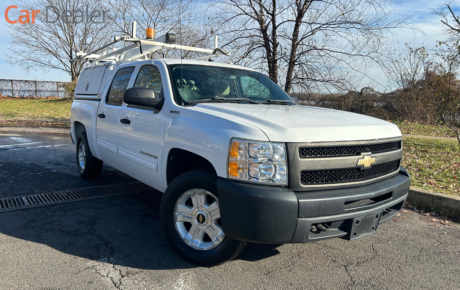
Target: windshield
199, 83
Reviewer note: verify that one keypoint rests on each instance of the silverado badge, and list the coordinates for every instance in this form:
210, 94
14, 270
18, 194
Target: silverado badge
366, 161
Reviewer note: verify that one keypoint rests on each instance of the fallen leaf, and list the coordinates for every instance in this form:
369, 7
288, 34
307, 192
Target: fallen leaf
434, 220
398, 214
404, 211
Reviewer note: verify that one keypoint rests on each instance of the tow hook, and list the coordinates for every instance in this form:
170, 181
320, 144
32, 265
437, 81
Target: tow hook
318, 228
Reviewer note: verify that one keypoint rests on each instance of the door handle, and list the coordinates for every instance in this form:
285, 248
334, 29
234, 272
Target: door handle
125, 121
102, 116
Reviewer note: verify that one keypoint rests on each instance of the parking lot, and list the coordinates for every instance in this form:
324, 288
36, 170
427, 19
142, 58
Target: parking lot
116, 242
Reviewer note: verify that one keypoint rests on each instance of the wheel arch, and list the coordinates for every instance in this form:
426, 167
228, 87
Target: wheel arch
181, 161
79, 128
83, 119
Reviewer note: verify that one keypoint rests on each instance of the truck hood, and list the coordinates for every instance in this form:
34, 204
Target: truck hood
282, 123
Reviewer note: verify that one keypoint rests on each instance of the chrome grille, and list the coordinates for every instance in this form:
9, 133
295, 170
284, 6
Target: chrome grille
313, 152
347, 175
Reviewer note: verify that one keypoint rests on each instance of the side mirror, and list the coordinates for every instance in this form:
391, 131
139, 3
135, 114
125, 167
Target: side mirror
295, 99
142, 97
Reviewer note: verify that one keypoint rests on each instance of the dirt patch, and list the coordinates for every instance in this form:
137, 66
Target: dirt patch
2, 97
34, 124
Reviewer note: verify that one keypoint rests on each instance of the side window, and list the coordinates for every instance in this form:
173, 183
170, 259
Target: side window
253, 88
119, 85
149, 77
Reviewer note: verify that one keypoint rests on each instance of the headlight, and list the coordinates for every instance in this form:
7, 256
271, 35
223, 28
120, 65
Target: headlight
258, 162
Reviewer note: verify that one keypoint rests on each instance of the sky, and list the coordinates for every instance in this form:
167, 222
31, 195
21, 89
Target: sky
420, 13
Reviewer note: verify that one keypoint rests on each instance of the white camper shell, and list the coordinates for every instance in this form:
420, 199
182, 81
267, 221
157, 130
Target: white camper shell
91, 80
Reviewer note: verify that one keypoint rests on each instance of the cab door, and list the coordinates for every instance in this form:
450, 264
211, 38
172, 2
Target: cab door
108, 115
142, 132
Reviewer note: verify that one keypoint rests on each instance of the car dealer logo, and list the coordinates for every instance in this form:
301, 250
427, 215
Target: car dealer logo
366, 161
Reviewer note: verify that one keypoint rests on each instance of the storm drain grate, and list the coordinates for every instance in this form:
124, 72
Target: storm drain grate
45, 199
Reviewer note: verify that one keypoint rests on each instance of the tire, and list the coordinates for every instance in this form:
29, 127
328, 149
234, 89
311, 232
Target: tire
182, 209
89, 166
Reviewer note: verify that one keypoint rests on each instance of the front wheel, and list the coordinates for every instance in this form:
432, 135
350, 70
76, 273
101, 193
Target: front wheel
89, 166
190, 218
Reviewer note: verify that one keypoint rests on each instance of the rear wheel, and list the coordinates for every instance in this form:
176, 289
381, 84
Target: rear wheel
89, 166
190, 218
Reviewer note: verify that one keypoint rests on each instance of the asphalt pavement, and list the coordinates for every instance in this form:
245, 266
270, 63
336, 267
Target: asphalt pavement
117, 242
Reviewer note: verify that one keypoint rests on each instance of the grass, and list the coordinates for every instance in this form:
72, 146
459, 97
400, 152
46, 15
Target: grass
434, 164
425, 130
35, 108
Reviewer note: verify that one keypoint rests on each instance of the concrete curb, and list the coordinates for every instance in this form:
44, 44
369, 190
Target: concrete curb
447, 204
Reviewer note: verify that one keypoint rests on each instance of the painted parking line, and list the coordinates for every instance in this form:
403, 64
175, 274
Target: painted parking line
35, 147
19, 144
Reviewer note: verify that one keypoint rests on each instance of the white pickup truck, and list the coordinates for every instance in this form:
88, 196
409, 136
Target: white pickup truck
238, 160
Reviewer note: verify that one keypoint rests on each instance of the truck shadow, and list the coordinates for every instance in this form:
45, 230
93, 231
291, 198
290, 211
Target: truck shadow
121, 230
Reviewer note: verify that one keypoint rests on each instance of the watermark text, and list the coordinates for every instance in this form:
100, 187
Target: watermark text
53, 14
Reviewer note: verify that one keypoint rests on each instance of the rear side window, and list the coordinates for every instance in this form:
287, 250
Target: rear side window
149, 77
119, 85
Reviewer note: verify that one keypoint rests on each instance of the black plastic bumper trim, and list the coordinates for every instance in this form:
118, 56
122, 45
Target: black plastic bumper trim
257, 213
277, 215
340, 224
332, 202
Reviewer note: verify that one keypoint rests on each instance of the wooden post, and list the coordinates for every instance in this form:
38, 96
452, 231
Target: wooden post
57, 89
12, 89
36, 93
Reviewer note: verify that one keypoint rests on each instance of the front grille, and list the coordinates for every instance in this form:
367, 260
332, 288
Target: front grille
348, 150
347, 175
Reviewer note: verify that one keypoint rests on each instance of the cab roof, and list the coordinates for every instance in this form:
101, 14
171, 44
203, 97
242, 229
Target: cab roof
171, 61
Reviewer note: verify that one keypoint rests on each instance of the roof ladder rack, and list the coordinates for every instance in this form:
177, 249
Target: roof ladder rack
137, 48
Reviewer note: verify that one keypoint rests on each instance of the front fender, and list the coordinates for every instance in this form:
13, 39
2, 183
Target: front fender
207, 136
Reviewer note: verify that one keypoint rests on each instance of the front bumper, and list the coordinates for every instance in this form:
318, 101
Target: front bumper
269, 214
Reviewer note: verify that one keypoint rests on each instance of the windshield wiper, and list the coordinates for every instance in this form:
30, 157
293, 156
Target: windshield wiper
220, 99
277, 102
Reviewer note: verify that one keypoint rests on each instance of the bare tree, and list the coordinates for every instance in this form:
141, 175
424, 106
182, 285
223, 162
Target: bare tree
406, 70
307, 44
444, 87
52, 43
450, 21
447, 101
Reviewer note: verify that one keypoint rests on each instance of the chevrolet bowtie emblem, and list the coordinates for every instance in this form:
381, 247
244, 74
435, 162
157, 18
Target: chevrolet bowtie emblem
366, 161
